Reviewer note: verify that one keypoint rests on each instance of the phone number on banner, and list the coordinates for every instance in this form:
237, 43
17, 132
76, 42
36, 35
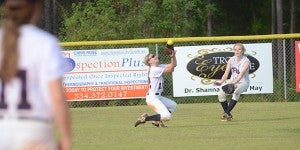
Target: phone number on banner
106, 92
100, 95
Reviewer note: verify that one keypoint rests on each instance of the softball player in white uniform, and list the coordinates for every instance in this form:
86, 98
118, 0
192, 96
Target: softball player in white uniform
31, 98
161, 105
239, 66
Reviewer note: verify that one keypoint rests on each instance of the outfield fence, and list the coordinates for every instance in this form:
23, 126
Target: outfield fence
283, 63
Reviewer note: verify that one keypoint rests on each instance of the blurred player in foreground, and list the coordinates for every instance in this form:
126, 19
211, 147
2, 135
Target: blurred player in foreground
161, 105
239, 66
32, 100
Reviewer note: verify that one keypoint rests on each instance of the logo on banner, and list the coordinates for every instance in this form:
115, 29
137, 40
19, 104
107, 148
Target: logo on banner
69, 63
210, 64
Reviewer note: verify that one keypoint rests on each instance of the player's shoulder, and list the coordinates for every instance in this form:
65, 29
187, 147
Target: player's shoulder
162, 65
32, 32
158, 67
246, 58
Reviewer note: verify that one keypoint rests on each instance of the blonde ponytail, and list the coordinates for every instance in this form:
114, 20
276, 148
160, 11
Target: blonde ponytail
10, 53
16, 13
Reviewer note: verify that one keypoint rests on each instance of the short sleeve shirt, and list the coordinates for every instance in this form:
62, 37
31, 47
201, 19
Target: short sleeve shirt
156, 78
40, 62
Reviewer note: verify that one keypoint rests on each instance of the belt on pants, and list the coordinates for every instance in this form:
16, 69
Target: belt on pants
26, 118
153, 93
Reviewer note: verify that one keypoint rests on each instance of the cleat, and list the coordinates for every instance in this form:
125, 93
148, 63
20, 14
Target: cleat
155, 123
163, 125
226, 117
229, 118
159, 123
141, 120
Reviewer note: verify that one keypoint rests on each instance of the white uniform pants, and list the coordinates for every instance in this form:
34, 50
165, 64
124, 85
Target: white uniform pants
161, 105
19, 134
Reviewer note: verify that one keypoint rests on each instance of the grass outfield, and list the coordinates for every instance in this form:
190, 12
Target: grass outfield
262, 126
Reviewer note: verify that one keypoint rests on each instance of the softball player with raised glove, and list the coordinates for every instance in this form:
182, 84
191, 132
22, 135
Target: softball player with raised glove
32, 99
161, 105
239, 66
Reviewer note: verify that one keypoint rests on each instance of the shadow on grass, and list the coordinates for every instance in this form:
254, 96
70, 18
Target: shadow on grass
268, 119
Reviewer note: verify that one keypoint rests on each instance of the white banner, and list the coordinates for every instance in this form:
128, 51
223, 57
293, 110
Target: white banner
105, 74
199, 66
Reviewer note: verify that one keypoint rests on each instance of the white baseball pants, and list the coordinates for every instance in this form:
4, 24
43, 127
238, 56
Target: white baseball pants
161, 105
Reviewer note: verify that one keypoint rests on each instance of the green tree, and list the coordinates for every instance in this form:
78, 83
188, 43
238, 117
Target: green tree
129, 19
242, 17
87, 20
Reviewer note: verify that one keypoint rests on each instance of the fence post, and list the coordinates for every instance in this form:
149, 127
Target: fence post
156, 49
284, 70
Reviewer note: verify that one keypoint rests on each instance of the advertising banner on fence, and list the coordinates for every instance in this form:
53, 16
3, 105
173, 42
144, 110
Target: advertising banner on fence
105, 74
199, 66
297, 56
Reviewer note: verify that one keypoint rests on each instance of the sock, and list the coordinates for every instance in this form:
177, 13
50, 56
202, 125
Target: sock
232, 103
153, 118
224, 105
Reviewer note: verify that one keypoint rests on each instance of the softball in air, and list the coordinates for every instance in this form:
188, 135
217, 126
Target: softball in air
170, 42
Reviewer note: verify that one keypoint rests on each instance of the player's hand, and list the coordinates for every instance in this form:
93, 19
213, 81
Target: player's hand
217, 83
173, 53
65, 144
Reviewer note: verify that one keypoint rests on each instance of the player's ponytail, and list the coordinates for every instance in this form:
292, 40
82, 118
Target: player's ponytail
16, 13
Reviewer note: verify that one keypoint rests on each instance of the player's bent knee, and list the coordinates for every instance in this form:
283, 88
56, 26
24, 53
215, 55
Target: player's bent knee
173, 108
222, 100
166, 118
222, 96
236, 97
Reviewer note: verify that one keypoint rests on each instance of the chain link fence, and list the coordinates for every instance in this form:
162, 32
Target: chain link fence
283, 55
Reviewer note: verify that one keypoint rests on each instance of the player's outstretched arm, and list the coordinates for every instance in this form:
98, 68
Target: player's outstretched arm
170, 67
225, 75
61, 114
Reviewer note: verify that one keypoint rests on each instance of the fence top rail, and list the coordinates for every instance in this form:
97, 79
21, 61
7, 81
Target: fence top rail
183, 39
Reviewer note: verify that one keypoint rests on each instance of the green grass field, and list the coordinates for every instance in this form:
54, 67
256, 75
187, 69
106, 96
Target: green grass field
263, 126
